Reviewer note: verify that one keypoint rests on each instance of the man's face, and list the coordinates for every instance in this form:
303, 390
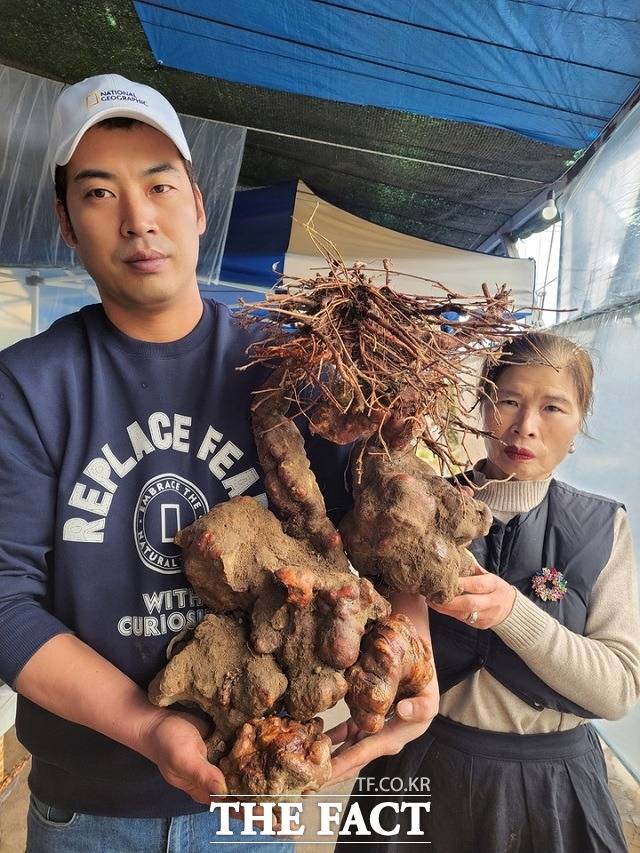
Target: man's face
134, 217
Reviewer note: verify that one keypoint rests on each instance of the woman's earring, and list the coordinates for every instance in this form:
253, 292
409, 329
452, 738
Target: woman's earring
572, 447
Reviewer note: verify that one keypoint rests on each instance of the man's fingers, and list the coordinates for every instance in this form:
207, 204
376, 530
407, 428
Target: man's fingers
343, 748
198, 792
212, 778
347, 730
418, 709
204, 728
351, 773
339, 733
198, 778
198, 795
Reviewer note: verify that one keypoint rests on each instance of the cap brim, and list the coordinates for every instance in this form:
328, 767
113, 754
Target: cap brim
63, 157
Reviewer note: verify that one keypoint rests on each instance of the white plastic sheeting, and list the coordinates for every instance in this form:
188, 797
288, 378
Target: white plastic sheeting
606, 461
544, 248
600, 254
600, 278
28, 226
30, 302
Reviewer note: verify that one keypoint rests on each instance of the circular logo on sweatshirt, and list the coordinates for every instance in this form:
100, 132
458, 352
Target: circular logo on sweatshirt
167, 504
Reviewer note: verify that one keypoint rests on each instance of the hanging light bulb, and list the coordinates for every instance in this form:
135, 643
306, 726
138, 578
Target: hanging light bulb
550, 211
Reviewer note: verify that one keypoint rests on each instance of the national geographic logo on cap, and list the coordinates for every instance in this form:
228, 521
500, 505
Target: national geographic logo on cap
105, 95
93, 99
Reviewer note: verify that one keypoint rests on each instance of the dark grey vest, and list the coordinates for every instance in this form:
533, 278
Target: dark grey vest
571, 531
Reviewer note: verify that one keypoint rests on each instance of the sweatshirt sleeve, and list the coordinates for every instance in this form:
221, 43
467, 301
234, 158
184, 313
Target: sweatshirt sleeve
28, 493
601, 670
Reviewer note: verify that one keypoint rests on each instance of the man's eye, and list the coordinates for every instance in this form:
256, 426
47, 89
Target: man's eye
552, 408
507, 402
161, 188
98, 192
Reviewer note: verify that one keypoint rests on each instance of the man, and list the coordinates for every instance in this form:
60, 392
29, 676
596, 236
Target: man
121, 424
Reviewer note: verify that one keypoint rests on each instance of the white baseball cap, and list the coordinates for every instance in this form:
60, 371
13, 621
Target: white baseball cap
90, 101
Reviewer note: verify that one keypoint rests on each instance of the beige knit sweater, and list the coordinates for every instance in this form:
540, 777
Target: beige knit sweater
599, 671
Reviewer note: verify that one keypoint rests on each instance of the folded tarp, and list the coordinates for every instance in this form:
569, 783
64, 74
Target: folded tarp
267, 229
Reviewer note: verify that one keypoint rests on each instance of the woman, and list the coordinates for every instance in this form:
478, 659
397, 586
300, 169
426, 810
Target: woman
544, 637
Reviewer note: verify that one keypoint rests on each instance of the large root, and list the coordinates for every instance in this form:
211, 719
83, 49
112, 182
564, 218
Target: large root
219, 672
289, 481
277, 755
411, 527
395, 664
297, 646
382, 367
302, 623
306, 612
395, 428
326, 616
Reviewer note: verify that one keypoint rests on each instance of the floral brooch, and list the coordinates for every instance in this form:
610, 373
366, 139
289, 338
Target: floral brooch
549, 585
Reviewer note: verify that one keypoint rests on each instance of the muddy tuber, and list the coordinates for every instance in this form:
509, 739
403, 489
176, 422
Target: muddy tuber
306, 613
395, 664
286, 623
411, 527
278, 755
218, 671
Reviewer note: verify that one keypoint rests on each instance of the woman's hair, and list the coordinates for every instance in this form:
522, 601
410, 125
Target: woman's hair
542, 348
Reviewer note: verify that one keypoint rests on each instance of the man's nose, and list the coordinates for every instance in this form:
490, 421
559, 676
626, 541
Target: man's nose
137, 215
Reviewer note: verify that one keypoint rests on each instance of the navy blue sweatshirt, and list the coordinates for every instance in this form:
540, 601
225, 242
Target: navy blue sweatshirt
108, 446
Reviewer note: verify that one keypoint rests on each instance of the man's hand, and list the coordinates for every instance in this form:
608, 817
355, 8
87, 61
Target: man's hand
484, 594
70, 679
412, 718
174, 741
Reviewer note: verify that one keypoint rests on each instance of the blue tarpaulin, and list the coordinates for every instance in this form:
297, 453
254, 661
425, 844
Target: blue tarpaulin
553, 71
258, 235
440, 119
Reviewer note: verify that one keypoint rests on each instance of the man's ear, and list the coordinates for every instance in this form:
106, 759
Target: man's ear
200, 214
66, 229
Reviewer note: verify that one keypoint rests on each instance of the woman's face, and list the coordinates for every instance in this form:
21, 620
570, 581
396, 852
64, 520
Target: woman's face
536, 417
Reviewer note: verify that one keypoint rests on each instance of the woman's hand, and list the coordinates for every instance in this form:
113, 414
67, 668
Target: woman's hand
412, 718
484, 595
